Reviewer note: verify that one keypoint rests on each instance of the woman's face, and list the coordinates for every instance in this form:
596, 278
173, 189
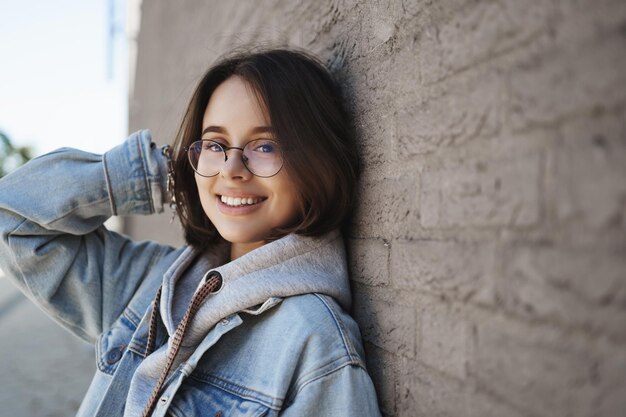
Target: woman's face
231, 118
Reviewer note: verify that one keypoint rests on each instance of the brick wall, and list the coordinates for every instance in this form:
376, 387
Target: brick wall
489, 249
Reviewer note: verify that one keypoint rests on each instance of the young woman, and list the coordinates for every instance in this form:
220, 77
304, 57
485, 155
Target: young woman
249, 318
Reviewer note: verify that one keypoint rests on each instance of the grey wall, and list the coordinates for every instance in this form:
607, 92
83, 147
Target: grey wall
488, 251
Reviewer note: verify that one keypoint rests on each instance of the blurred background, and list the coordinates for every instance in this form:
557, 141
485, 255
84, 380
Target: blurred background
63, 82
64, 73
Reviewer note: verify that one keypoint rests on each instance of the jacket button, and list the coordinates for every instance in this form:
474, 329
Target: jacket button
114, 355
224, 322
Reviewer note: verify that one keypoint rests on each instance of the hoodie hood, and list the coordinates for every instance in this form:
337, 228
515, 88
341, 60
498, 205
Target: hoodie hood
289, 266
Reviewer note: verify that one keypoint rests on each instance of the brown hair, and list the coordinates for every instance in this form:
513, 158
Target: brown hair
311, 124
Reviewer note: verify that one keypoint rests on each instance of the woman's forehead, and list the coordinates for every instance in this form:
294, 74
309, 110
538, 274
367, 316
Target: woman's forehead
234, 105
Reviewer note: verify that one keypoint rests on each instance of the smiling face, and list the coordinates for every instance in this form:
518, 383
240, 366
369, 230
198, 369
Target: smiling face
243, 207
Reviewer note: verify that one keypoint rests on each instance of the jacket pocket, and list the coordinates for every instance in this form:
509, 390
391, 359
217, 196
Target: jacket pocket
199, 398
113, 343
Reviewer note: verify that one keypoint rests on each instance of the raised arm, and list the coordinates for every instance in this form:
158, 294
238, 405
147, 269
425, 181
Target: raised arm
53, 243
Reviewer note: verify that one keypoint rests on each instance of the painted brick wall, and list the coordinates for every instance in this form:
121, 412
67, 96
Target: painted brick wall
489, 249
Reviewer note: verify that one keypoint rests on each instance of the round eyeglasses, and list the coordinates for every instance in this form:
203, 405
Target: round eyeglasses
262, 157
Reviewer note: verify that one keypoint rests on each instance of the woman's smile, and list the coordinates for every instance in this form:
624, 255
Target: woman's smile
238, 205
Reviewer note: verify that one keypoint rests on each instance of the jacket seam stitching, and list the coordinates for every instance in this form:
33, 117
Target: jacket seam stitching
326, 374
211, 380
346, 344
64, 215
137, 348
332, 366
145, 175
108, 184
128, 312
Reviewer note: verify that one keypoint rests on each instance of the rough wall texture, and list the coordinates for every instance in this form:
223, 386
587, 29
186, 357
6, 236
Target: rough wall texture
489, 249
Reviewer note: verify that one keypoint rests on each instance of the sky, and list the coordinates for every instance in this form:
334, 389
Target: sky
58, 84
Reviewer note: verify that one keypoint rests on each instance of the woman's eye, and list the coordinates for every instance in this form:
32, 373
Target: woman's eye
211, 146
265, 148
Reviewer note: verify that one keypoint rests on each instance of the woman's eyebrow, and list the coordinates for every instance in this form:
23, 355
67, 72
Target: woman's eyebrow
223, 130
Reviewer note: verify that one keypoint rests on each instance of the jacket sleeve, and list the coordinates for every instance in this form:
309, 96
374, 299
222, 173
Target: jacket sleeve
53, 243
345, 392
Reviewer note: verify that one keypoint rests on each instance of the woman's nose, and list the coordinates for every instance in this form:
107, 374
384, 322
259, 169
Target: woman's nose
234, 166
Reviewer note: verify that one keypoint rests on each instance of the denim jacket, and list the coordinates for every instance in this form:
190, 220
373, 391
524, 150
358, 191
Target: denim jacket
275, 340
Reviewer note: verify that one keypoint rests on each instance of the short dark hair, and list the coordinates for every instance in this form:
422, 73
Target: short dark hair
308, 116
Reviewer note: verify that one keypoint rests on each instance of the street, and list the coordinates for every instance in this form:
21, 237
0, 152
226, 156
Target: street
44, 370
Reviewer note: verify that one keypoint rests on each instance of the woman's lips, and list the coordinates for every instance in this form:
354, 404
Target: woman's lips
237, 210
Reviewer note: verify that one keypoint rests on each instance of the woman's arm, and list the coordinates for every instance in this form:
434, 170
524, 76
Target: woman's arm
53, 244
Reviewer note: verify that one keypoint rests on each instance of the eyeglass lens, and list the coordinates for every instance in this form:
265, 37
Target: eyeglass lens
262, 157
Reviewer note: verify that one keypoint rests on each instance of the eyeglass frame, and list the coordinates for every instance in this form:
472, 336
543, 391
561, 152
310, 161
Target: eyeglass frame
227, 148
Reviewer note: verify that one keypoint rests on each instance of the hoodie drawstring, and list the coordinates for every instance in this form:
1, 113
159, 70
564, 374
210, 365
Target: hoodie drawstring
211, 285
154, 315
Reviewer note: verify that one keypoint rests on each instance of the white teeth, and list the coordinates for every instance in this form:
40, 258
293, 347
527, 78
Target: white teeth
239, 201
